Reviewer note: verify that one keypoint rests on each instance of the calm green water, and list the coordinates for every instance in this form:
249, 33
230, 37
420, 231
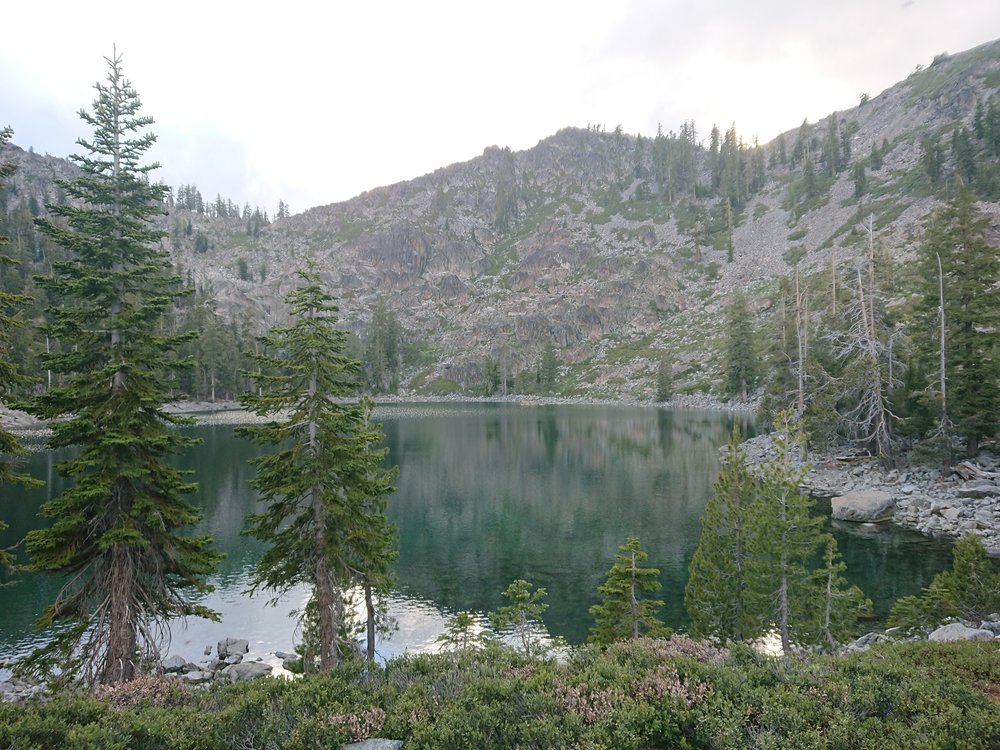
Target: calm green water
487, 493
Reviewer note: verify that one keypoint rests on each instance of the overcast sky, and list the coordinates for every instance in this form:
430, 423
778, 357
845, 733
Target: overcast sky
315, 102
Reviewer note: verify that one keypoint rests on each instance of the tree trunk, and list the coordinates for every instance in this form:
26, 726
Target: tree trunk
786, 642
325, 591
119, 660
370, 633
634, 602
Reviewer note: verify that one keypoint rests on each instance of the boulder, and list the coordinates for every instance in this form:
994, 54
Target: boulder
991, 625
865, 642
229, 646
247, 670
866, 506
978, 488
956, 631
375, 745
197, 678
173, 663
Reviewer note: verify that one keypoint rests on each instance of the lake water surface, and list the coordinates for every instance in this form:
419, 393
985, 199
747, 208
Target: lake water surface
487, 493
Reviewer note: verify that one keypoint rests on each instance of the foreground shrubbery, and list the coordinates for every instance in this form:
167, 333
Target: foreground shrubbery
645, 694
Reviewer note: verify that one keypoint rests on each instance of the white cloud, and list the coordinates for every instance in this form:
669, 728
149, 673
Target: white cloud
314, 103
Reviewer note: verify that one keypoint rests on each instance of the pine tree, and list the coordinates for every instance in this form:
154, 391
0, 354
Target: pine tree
784, 539
115, 535
956, 237
10, 449
625, 613
716, 592
521, 615
548, 367
970, 590
325, 487
741, 359
837, 605
664, 379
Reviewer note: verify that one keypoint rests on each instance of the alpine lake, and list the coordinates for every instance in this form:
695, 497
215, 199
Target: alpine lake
487, 493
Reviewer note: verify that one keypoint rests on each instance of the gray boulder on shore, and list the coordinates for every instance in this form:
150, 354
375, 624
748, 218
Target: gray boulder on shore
956, 631
865, 506
247, 670
232, 646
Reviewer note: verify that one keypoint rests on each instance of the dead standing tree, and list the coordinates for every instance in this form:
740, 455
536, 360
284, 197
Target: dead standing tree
865, 348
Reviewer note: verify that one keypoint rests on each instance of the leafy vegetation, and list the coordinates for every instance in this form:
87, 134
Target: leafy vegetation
640, 694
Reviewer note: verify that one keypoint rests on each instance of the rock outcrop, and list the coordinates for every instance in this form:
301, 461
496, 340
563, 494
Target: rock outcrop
866, 506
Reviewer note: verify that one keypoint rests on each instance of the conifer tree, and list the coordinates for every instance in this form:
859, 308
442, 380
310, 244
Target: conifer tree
785, 537
664, 379
626, 613
741, 359
10, 449
864, 348
837, 605
325, 487
116, 534
548, 367
521, 615
970, 590
956, 236
716, 592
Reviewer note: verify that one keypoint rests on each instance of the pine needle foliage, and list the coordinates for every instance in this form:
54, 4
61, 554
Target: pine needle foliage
957, 237
785, 538
716, 592
627, 612
116, 535
970, 591
326, 485
10, 448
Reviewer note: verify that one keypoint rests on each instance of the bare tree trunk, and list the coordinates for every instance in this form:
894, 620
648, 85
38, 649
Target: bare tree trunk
634, 601
828, 611
370, 631
119, 659
786, 640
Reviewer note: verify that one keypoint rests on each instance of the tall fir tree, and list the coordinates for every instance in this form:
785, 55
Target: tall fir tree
10, 304
626, 611
716, 592
957, 239
741, 358
548, 367
784, 539
325, 487
116, 534
837, 605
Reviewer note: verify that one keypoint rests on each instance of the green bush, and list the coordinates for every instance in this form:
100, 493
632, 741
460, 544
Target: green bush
642, 694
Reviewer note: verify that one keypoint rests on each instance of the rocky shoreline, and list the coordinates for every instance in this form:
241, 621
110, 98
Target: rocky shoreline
914, 497
231, 412
231, 661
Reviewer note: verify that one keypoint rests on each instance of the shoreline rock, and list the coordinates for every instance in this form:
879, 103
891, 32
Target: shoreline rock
918, 498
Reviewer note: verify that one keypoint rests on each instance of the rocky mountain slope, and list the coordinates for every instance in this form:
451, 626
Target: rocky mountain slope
586, 241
